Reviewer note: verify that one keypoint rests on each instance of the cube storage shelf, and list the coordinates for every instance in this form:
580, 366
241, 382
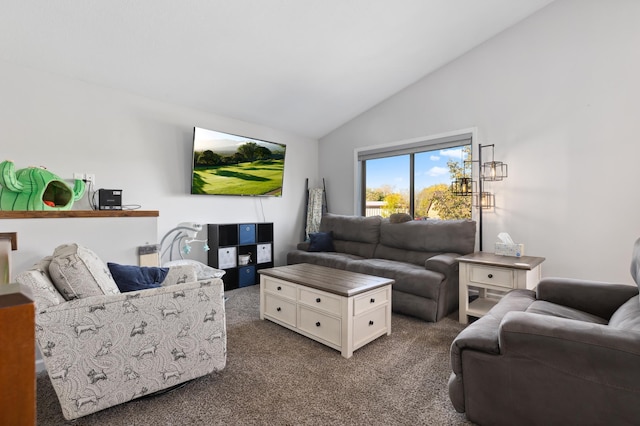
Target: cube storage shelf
230, 242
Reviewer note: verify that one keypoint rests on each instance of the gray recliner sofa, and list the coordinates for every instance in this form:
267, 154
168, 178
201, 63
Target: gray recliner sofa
421, 256
567, 353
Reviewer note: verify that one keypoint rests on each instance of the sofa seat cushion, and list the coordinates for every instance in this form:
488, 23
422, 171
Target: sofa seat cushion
547, 308
420, 281
409, 278
78, 272
627, 317
329, 259
379, 267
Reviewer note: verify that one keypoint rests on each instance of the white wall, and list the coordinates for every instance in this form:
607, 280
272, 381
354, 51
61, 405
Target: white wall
558, 95
141, 146
113, 239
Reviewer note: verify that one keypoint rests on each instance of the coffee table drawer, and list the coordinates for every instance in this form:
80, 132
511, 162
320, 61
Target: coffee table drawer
370, 300
279, 287
280, 309
369, 326
320, 300
320, 325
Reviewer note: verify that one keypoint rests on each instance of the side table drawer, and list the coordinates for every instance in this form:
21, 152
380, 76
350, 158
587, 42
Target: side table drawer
369, 326
369, 301
500, 277
320, 325
280, 309
320, 300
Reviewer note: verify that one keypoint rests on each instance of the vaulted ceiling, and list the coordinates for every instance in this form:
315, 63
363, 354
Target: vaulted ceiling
304, 66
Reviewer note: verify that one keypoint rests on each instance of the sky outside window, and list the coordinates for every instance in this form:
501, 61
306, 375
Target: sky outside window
430, 169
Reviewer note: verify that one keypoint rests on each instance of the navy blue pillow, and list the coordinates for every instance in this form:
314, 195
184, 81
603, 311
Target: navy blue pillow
132, 278
321, 241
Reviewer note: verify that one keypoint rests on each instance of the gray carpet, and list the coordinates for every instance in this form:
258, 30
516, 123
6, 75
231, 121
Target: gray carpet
277, 377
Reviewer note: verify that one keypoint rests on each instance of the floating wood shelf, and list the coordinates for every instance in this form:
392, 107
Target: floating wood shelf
39, 214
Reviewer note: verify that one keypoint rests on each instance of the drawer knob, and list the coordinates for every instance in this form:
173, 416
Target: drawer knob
370, 322
318, 300
372, 300
318, 324
278, 309
279, 288
490, 275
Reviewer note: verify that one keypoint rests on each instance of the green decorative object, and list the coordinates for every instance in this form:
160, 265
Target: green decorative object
36, 188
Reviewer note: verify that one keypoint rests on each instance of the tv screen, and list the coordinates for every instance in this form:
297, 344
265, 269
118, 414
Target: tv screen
226, 164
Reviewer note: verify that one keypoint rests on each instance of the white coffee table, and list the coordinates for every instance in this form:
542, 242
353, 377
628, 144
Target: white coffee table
343, 310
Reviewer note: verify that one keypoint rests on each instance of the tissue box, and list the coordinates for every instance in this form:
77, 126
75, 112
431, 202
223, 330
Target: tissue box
504, 249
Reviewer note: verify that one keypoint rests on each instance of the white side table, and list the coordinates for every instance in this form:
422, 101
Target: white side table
493, 276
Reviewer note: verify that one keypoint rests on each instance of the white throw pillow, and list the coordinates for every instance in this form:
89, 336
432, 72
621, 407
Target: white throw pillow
39, 285
78, 272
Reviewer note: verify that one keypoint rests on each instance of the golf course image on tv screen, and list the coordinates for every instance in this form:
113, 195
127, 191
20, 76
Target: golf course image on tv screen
227, 164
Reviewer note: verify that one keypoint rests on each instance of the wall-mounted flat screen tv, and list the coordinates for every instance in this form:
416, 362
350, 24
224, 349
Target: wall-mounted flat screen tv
226, 164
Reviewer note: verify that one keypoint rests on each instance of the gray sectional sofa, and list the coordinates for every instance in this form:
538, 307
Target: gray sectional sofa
419, 255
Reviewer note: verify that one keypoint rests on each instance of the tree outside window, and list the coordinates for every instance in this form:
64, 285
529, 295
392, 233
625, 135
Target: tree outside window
389, 184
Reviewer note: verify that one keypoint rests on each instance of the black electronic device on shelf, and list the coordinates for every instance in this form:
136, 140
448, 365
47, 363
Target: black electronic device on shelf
109, 199
241, 249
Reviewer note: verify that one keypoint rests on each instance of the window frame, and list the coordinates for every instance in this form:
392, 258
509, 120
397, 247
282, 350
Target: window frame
408, 146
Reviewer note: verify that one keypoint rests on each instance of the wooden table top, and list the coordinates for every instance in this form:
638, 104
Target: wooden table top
336, 281
491, 259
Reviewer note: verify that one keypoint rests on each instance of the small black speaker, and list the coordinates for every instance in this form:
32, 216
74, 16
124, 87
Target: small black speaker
110, 199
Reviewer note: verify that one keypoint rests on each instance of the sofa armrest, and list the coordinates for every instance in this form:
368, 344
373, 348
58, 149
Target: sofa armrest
597, 353
445, 263
482, 335
180, 274
597, 298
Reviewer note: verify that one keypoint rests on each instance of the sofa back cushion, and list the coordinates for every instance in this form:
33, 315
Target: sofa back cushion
78, 272
37, 282
627, 317
430, 236
356, 235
